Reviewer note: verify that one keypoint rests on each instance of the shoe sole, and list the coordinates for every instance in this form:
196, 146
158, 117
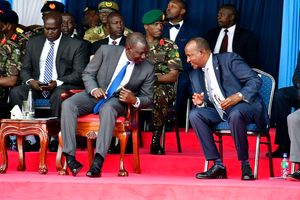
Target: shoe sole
217, 177
292, 179
74, 173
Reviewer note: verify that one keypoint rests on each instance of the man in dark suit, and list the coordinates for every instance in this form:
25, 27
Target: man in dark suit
238, 40
180, 32
69, 58
135, 88
225, 88
115, 27
285, 99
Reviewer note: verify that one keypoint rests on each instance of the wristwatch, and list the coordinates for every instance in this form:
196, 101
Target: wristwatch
240, 95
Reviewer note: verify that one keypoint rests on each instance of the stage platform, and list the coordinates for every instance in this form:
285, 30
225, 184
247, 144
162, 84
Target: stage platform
171, 176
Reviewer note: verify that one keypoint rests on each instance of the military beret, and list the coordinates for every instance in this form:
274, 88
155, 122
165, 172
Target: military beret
53, 6
152, 16
9, 16
108, 5
5, 5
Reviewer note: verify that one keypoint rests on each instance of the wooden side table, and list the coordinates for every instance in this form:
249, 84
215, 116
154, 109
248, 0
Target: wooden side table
21, 128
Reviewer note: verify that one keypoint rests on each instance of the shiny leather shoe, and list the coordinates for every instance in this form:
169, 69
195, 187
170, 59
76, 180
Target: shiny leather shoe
215, 172
95, 169
155, 147
247, 173
295, 176
73, 164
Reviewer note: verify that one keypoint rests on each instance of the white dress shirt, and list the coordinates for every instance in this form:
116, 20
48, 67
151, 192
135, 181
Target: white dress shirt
110, 41
230, 35
174, 31
43, 57
214, 83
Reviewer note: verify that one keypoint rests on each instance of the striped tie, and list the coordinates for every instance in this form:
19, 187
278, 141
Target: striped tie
48, 68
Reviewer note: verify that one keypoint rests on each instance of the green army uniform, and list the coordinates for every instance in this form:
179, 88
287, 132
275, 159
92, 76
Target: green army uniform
11, 54
164, 56
97, 33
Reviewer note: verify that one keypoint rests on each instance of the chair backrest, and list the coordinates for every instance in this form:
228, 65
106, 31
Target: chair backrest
267, 89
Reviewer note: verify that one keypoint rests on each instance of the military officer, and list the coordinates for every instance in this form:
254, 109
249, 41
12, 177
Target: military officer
100, 32
12, 48
164, 55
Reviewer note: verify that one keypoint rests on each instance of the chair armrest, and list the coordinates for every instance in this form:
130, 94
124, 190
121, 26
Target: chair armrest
69, 93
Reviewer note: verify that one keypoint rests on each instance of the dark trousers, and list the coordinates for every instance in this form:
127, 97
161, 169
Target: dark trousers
284, 100
203, 119
20, 93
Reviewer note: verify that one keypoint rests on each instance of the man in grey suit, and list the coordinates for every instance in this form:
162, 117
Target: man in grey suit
136, 88
69, 58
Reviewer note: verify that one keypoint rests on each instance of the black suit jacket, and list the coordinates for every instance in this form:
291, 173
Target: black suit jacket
185, 33
71, 59
96, 45
244, 43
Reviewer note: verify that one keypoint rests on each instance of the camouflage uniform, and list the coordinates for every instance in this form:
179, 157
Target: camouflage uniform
97, 33
165, 57
11, 54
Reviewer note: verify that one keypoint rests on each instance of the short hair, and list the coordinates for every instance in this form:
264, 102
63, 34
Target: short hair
68, 14
233, 10
180, 2
114, 14
53, 15
134, 38
201, 43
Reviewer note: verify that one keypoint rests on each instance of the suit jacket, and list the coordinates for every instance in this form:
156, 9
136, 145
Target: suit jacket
185, 33
71, 59
96, 45
234, 75
244, 43
100, 70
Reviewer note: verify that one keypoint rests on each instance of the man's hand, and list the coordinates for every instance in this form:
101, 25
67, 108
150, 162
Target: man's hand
127, 96
230, 101
51, 86
198, 99
99, 94
35, 85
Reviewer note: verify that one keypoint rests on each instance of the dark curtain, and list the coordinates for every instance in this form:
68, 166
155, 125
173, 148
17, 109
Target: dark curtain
263, 17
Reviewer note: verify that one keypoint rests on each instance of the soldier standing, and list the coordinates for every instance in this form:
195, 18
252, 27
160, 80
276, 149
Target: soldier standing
164, 55
12, 48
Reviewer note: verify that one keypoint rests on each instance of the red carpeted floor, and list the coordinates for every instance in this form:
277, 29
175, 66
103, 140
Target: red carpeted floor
162, 177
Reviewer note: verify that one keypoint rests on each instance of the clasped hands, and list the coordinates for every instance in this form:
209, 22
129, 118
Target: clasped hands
198, 99
39, 86
125, 95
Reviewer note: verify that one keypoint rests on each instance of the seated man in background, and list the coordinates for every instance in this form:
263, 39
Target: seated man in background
12, 50
284, 100
101, 31
114, 78
225, 88
164, 55
115, 28
53, 63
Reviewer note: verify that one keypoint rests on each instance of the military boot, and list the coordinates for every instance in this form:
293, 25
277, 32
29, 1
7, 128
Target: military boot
155, 147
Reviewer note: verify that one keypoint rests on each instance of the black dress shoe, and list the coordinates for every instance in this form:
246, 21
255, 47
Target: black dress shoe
73, 164
155, 147
28, 146
295, 176
247, 173
215, 172
278, 153
95, 169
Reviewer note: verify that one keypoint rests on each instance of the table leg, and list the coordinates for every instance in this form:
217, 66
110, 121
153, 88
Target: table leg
21, 164
43, 152
3, 151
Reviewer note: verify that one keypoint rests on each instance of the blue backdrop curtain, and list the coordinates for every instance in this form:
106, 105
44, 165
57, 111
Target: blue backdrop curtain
263, 17
290, 42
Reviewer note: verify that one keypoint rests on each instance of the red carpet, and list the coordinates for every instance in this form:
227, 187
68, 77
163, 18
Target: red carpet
162, 177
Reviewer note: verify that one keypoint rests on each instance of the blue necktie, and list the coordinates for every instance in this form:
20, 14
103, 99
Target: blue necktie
48, 68
113, 87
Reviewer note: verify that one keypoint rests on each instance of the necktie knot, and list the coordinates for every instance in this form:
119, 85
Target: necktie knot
51, 44
226, 31
114, 42
177, 26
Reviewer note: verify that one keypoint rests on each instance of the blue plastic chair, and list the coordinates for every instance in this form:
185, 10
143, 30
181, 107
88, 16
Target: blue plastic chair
222, 129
